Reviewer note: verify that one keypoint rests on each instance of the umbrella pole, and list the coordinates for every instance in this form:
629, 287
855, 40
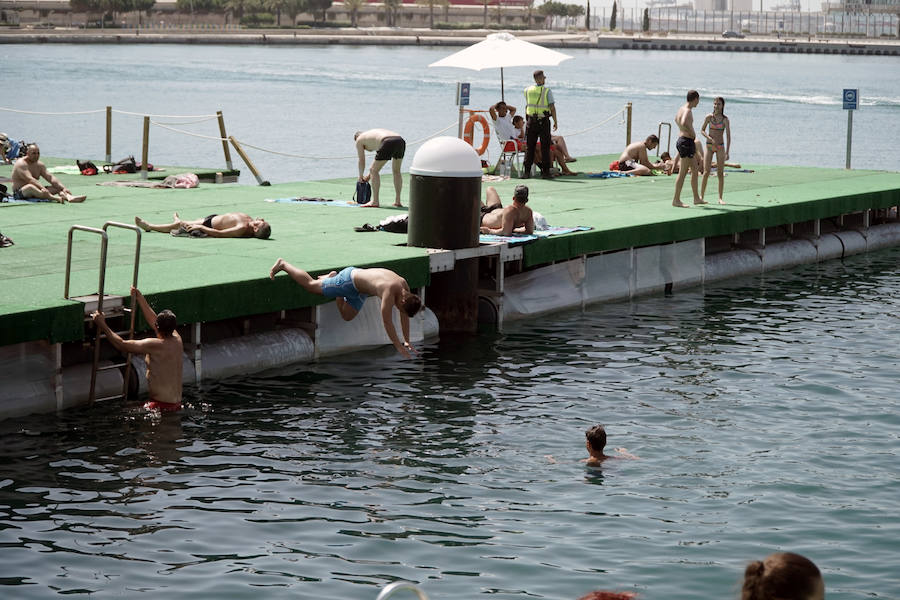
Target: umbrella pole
502, 94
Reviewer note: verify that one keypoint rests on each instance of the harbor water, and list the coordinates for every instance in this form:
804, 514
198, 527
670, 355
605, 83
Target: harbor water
763, 410
308, 101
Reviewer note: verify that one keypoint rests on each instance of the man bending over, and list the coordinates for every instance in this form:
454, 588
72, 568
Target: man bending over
229, 225
387, 146
163, 354
634, 159
351, 286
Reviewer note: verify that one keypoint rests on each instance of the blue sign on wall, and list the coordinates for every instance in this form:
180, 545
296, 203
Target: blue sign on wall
851, 99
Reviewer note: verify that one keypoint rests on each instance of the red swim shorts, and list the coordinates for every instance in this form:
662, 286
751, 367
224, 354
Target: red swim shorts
163, 406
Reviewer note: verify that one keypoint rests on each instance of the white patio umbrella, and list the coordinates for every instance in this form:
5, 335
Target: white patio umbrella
499, 50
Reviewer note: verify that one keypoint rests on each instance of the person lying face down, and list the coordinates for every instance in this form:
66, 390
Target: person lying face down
229, 225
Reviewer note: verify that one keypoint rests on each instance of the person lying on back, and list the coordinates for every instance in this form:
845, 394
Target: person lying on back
229, 225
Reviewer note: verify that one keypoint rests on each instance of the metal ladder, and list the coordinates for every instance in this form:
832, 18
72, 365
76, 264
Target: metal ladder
668, 140
94, 302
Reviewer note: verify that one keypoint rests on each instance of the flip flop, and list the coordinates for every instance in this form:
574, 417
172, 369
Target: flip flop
5, 242
365, 227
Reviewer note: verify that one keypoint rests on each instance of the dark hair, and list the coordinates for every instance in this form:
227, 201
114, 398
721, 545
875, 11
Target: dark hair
596, 437
165, 322
499, 104
518, 118
538, 73
665, 156
652, 138
521, 193
604, 595
264, 231
716, 99
782, 575
411, 304
693, 95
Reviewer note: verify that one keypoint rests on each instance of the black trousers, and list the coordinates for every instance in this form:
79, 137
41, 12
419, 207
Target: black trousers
537, 127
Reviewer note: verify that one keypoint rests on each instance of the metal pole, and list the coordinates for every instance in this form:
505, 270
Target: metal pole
224, 140
849, 134
144, 147
109, 134
247, 161
628, 123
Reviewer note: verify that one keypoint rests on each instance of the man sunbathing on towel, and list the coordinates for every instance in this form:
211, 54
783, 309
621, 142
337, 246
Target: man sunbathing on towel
351, 286
634, 159
229, 225
515, 218
26, 182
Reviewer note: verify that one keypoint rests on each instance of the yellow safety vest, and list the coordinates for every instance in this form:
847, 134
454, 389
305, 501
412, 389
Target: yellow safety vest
536, 100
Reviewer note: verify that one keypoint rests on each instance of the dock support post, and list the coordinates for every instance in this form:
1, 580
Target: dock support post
58, 376
198, 352
224, 140
109, 134
247, 161
628, 123
145, 145
817, 228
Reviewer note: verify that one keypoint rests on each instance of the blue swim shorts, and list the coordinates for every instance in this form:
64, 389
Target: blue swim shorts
342, 285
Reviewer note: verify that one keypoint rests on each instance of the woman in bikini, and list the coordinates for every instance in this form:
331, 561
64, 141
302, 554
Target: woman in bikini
719, 128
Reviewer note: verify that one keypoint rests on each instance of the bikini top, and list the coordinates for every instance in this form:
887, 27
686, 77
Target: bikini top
719, 125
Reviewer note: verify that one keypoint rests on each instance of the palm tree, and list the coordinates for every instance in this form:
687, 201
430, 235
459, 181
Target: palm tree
431, 4
353, 6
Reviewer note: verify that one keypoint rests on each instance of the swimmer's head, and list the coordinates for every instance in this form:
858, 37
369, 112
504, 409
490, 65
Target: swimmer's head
521, 194
410, 304
783, 575
166, 323
596, 438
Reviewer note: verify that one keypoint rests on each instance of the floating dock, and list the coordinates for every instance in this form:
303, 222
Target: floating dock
235, 321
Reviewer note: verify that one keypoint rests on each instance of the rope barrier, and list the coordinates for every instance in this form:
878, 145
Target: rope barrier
134, 114
203, 120
619, 113
52, 114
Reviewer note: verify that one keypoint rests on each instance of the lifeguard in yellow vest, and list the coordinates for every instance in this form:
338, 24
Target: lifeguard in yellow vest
539, 109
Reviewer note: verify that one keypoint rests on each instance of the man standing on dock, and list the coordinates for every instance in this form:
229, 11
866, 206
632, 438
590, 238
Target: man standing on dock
351, 286
387, 146
26, 183
163, 353
539, 109
687, 149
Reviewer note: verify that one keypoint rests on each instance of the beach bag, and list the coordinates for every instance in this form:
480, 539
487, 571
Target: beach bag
363, 192
86, 167
395, 224
126, 165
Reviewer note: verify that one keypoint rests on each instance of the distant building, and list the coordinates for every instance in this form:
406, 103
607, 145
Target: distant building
724, 5
863, 6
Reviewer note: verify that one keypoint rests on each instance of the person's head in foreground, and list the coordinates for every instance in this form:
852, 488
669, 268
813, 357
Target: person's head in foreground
595, 440
605, 595
783, 576
166, 323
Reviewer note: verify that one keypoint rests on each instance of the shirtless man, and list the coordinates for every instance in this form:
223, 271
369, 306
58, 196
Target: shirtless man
387, 146
687, 149
229, 225
634, 159
351, 286
164, 354
26, 182
515, 218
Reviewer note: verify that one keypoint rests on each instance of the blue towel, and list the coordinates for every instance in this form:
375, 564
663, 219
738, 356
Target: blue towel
322, 202
521, 238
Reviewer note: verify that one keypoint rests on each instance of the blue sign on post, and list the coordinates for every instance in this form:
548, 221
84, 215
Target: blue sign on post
462, 93
851, 99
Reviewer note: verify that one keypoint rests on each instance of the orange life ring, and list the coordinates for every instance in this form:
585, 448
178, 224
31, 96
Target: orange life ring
469, 132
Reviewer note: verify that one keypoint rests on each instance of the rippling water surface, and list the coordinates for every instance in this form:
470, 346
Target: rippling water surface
764, 413
306, 102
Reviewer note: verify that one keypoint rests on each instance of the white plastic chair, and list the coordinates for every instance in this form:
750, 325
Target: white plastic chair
509, 152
